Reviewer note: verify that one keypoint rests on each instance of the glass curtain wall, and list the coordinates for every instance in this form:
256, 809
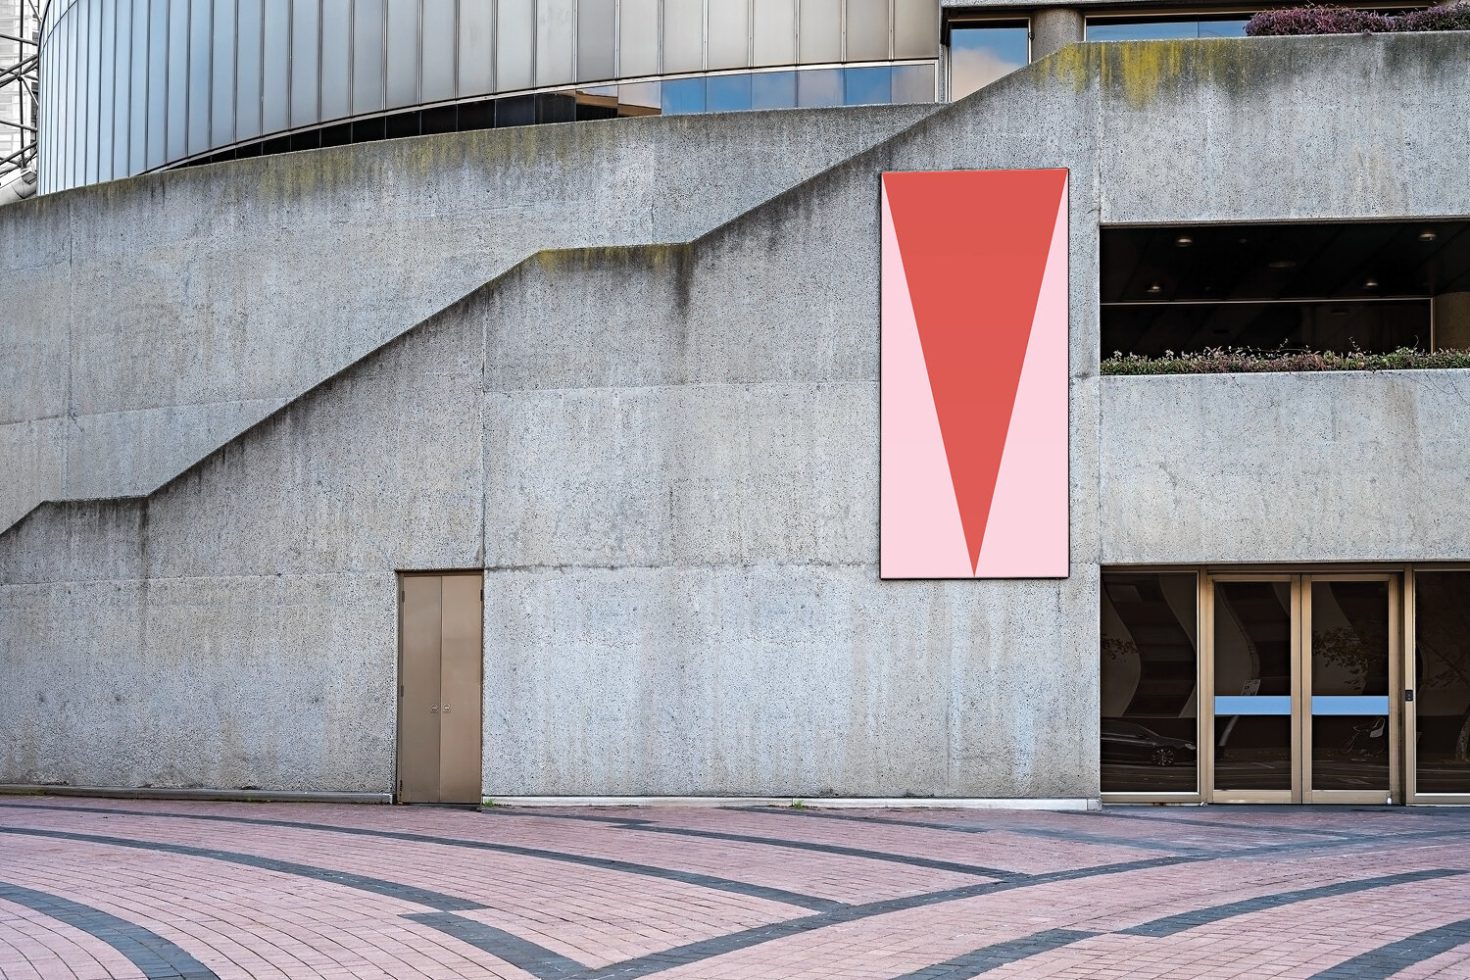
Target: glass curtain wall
142, 84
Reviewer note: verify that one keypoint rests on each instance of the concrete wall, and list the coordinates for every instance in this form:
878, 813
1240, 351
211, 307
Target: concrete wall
1348, 466
666, 460
150, 320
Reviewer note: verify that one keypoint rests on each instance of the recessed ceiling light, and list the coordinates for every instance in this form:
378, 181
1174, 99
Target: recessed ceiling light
1155, 289
1283, 264
1184, 241
1370, 283
1428, 235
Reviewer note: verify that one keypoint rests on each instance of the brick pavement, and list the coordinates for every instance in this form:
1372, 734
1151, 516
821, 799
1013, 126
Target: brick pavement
95, 889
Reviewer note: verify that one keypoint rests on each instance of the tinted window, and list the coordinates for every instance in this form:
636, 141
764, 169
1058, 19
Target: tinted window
1149, 666
980, 55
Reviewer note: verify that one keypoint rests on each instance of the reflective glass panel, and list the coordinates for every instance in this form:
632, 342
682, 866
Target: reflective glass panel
367, 55
476, 49
867, 86
640, 99
106, 92
819, 87
980, 55
121, 88
820, 31
516, 34
1150, 701
1253, 685
77, 87
683, 35
867, 30
773, 90
1349, 693
727, 93
437, 41
1442, 681
201, 51
138, 89
92, 44
556, 32
638, 38
247, 70
729, 34
276, 65
336, 70
1163, 30
913, 83
595, 36
915, 28
222, 82
774, 32
683, 95
178, 79
403, 52
305, 62
158, 50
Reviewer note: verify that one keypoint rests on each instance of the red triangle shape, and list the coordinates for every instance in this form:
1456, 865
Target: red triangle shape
974, 245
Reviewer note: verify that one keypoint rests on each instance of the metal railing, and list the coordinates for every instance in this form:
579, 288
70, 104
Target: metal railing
20, 88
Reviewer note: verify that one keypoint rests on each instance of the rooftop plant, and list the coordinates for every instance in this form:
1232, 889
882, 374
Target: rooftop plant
1240, 360
1314, 19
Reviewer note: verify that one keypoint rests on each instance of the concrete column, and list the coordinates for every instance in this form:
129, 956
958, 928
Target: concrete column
1452, 321
1053, 28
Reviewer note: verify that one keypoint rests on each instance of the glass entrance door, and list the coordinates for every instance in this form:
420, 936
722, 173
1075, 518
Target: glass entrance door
1301, 668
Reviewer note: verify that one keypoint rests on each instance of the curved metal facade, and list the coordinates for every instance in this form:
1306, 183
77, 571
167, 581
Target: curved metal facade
135, 85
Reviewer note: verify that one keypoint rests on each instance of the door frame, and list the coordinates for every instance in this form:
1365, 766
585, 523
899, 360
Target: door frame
398, 600
1402, 719
1302, 790
1205, 747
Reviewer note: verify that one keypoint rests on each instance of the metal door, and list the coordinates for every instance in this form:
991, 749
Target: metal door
439, 685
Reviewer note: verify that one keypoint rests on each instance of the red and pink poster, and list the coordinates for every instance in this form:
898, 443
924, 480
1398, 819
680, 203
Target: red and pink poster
974, 375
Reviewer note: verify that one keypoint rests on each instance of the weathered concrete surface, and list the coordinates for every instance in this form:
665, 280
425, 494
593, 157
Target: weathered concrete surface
238, 628
667, 463
1350, 466
149, 320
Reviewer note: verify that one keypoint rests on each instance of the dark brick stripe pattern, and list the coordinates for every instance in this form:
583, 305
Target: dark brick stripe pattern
880, 894
155, 957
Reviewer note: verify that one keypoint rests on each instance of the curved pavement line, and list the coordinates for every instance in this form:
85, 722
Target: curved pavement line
155, 957
642, 966
759, 935
854, 852
1076, 837
749, 890
1171, 924
1389, 959
378, 886
996, 955
987, 958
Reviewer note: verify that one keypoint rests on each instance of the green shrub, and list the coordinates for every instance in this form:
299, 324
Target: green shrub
1240, 360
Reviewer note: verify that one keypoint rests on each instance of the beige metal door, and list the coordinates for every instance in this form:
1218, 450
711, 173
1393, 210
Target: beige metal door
1301, 670
439, 703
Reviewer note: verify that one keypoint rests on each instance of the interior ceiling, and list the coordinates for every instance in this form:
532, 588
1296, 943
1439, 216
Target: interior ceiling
1341, 261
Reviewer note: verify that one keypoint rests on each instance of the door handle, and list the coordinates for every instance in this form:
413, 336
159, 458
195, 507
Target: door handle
434, 709
446, 709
